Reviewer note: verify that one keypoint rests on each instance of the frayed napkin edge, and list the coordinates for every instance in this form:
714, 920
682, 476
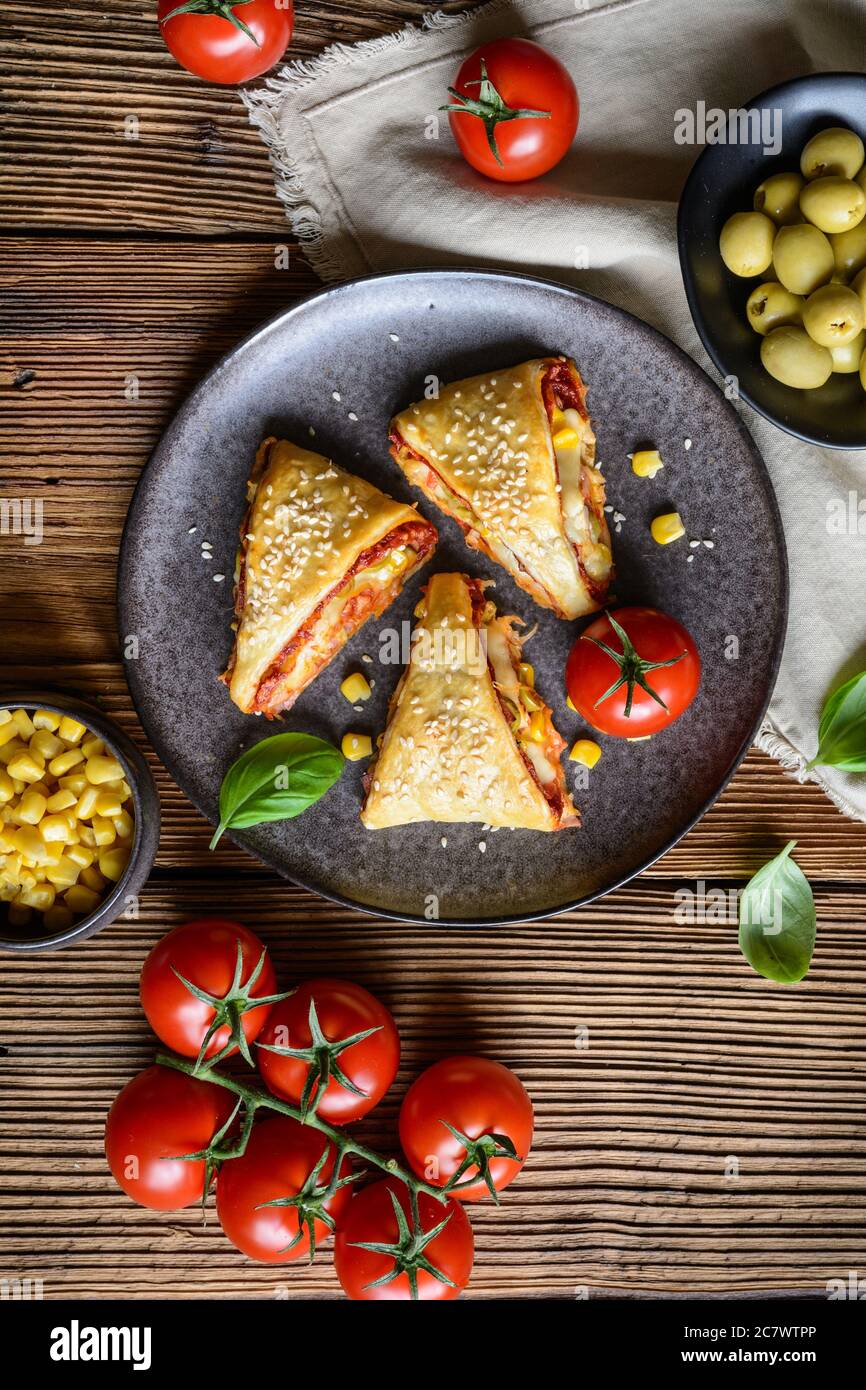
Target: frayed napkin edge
262, 105
770, 741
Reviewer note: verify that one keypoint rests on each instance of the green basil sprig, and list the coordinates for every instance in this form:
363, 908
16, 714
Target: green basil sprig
777, 920
842, 731
276, 779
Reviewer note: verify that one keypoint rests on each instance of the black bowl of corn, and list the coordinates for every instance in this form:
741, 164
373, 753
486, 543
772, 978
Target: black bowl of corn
79, 821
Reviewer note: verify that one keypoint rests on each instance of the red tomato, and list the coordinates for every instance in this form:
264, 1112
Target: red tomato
372, 1219
500, 82
159, 1116
211, 44
478, 1098
279, 1161
343, 1010
205, 952
655, 651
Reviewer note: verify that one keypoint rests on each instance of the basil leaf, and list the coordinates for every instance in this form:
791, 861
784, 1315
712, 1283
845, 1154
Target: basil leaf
777, 920
842, 731
276, 779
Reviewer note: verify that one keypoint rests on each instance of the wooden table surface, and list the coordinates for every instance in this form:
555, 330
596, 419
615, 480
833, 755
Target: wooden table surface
698, 1129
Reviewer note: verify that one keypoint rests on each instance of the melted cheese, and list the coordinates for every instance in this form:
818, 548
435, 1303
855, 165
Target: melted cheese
582, 526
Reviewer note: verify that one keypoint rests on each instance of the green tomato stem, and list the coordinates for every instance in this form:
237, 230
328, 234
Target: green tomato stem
255, 1099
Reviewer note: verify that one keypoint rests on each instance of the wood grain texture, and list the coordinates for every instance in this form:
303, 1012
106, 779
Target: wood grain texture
75, 74
699, 1130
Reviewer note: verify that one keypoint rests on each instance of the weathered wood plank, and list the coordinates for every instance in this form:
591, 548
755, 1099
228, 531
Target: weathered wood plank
707, 1137
74, 75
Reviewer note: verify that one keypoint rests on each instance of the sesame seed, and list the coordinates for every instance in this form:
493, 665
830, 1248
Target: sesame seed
336, 395
443, 842
352, 415
395, 338
192, 530
218, 578
687, 443
367, 658
482, 845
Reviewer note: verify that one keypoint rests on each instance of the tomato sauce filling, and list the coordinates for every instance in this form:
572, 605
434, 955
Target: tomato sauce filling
419, 536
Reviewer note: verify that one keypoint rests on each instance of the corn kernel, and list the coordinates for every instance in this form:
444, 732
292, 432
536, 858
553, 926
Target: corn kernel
87, 835
80, 899
27, 767
667, 528
46, 719
80, 855
64, 873
8, 731
61, 801
646, 463
30, 843
7, 787
356, 687
356, 746
70, 730
31, 807
92, 878
526, 673
65, 762
86, 806
40, 896
99, 769
108, 804
58, 918
585, 751
27, 878
538, 727
112, 863
558, 420
7, 844
12, 750
103, 831
124, 825
566, 438
24, 723
76, 783
55, 828
5, 716
92, 746
46, 743
18, 915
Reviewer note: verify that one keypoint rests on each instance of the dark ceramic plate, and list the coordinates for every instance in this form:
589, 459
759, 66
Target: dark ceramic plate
365, 349
722, 182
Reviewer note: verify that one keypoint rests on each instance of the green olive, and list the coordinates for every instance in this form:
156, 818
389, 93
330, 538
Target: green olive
858, 285
849, 250
832, 204
790, 356
771, 305
779, 197
802, 258
746, 243
846, 357
833, 315
835, 151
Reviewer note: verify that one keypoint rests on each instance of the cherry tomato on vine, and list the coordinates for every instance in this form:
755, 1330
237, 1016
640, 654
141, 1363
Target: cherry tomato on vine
159, 1116
356, 1046
404, 1272
487, 1106
292, 1164
633, 672
515, 110
205, 952
226, 40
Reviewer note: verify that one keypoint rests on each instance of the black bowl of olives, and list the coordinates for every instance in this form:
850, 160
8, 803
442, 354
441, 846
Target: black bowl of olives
772, 243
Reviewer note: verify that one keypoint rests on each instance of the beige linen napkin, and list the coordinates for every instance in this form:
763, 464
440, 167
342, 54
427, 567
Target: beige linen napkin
371, 180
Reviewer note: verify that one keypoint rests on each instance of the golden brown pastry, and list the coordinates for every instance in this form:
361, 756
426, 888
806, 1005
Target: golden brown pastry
468, 738
321, 552
511, 456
